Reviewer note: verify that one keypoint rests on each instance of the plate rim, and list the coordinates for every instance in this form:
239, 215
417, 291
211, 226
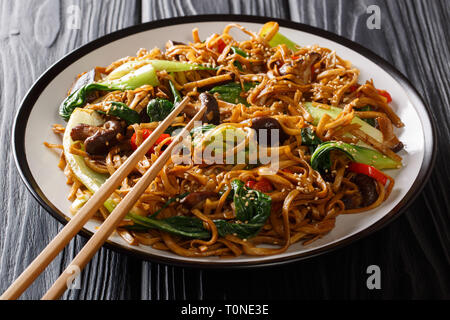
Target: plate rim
29, 100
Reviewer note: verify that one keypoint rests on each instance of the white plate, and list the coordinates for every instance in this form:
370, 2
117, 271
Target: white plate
39, 110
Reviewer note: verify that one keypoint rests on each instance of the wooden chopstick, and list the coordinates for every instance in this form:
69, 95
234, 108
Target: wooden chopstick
117, 215
87, 211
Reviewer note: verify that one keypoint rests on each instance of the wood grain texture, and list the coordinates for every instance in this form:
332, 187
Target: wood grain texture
412, 252
33, 36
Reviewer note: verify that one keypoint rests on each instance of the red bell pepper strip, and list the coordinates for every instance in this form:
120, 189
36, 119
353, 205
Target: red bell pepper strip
262, 185
250, 184
368, 171
385, 94
221, 45
145, 134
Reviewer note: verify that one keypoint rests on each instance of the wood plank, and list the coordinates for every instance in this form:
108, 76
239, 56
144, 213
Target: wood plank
33, 35
155, 9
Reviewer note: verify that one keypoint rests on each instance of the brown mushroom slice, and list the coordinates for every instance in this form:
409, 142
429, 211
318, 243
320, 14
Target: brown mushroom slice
212, 113
87, 78
301, 67
367, 195
269, 124
97, 140
368, 189
82, 132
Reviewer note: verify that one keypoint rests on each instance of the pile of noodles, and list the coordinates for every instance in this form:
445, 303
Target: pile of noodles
304, 205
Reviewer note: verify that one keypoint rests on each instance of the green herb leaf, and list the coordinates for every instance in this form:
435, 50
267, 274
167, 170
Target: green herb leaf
239, 51
78, 98
176, 95
189, 227
231, 92
121, 110
130, 81
158, 109
252, 211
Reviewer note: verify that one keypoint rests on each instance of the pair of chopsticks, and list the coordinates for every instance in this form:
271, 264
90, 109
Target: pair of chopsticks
95, 202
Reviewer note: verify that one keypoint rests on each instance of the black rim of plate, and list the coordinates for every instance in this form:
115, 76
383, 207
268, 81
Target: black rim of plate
20, 124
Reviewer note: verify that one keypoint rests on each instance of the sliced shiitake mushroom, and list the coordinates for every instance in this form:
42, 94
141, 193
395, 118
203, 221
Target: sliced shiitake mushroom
267, 126
212, 114
98, 140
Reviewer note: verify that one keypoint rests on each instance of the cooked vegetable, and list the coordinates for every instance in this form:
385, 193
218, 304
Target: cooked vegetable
385, 94
320, 160
97, 140
318, 110
270, 30
136, 79
158, 65
176, 95
368, 171
252, 210
368, 193
89, 178
78, 98
212, 113
158, 109
220, 139
268, 126
145, 134
169, 202
121, 110
310, 139
197, 133
231, 92
189, 227
87, 78
370, 121
240, 52
262, 185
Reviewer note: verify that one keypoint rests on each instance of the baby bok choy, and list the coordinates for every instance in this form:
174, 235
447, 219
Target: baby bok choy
91, 179
252, 211
159, 108
121, 110
145, 75
269, 31
231, 92
129, 76
158, 65
320, 159
317, 111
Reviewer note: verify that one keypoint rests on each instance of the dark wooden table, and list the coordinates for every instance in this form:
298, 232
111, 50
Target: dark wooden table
412, 252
